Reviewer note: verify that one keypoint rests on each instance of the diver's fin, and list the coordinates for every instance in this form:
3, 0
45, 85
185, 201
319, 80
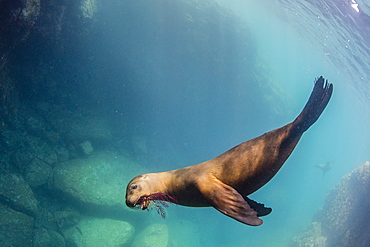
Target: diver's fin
316, 104
259, 207
228, 201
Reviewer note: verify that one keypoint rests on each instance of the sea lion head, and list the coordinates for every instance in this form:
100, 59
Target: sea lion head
140, 189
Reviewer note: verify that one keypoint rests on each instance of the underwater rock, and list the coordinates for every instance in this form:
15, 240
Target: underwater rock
94, 129
344, 217
97, 182
17, 194
17, 20
86, 148
21, 158
311, 238
96, 232
37, 173
34, 124
155, 235
87, 124
47, 238
45, 218
62, 154
46, 154
16, 228
66, 219
52, 137
346, 210
24, 148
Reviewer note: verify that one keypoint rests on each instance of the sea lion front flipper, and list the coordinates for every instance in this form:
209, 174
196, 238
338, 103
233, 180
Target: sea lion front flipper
228, 201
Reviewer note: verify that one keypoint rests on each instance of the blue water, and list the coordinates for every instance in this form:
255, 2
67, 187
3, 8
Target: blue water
195, 78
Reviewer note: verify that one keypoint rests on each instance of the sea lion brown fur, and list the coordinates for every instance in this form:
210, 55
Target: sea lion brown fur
225, 181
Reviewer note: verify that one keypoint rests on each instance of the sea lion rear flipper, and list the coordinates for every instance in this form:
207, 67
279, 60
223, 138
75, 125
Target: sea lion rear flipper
259, 207
228, 201
316, 104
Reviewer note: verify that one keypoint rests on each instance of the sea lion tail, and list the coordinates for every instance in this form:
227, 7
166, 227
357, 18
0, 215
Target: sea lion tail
316, 104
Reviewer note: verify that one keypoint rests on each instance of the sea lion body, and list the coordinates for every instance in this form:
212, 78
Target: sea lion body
245, 167
225, 181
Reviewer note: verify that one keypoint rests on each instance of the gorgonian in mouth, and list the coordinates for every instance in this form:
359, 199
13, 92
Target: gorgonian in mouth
158, 200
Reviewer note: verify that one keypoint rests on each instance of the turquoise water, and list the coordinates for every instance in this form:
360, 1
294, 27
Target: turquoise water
205, 77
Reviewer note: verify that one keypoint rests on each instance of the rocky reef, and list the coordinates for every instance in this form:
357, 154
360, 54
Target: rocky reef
343, 220
57, 190
97, 182
69, 144
66, 152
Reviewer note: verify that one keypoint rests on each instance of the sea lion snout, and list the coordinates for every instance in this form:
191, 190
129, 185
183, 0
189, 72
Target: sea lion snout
131, 190
132, 198
142, 201
130, 204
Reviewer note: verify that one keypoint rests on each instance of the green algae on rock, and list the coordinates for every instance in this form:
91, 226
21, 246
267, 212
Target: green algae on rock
98, 181
96, 232
155, 235
16, 229
17, 194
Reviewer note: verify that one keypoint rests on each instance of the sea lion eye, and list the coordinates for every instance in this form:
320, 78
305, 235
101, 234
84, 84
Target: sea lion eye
134, 186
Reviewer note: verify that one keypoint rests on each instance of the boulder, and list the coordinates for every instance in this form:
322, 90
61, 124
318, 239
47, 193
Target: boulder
95, 232
66, 219
16, 228
37, 173
312, 237
86, 148
155, 235
47, 154
17, 194
97, 182
343, 220
62, 154
48, 238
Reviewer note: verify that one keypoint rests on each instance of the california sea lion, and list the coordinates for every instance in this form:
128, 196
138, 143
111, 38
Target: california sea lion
225, 181
324, 167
